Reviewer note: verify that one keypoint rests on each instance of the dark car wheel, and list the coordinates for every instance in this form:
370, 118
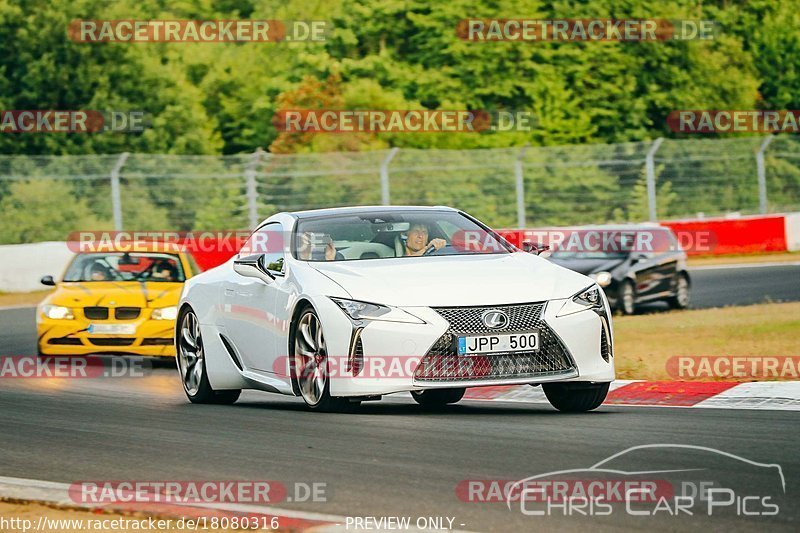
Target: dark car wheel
681, 298
575, 397
191, 363
438, 397
627, 298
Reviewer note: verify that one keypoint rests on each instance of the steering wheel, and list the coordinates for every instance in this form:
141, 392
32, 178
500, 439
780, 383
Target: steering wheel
431, 249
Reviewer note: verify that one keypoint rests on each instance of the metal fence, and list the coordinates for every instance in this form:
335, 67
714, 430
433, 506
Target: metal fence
46, 197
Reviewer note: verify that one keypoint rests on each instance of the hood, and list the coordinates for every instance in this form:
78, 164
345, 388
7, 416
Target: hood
454, 280
121, 293
588, 266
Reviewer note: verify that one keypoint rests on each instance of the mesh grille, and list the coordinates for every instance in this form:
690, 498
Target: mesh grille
157, 341
442, 363
96, 313
111, 342
127, 313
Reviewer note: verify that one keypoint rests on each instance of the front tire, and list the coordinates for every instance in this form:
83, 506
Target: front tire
681, 298
438, 397
575, 397
191, 362
627, 298
310, 365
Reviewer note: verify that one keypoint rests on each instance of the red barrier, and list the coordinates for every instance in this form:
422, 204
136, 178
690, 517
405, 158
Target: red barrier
745, 235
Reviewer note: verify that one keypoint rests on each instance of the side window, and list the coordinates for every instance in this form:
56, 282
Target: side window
267, 240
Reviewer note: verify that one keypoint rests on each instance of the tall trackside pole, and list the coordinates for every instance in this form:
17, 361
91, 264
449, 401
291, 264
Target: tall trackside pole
252, 191
518, 175
385, 199
650, 168
762, 175
116, 197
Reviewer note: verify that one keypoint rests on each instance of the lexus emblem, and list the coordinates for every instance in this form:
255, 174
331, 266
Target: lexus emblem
495, 318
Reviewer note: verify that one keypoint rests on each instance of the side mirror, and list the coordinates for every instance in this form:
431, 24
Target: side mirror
48, 280
533, 248
252, 266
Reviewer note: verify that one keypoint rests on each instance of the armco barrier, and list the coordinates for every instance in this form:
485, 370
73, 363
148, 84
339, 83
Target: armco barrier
23, 265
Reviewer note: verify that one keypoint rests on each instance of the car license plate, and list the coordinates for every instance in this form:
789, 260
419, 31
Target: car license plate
112, 329
501, 343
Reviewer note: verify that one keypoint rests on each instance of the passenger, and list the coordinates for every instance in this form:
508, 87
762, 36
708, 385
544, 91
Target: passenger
98, 272
417, 240
305, 247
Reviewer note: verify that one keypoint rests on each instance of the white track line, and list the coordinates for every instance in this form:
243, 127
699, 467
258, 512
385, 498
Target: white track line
744, 265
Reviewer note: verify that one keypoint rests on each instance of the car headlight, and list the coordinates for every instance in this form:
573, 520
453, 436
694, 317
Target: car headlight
165, 313
366, 311
57, 312
602, 278
589, 298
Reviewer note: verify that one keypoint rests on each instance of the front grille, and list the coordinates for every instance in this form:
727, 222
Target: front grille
96, 313
111, 342
66, 341
442, 363
157, 341
127, 313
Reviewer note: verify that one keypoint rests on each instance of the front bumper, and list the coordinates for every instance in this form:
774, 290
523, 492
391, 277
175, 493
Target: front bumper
398, 349
70, 337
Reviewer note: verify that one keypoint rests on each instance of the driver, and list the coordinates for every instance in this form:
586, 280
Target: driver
165, 271
417, 240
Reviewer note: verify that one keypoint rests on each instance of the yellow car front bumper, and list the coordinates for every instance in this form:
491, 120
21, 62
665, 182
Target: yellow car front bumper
72, 337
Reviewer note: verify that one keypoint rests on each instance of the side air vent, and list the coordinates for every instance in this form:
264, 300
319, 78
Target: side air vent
231, 352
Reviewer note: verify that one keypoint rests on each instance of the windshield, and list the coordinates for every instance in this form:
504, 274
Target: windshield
382, 235
157, 267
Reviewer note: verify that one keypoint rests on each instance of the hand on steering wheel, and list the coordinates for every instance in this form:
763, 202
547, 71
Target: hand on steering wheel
434, 246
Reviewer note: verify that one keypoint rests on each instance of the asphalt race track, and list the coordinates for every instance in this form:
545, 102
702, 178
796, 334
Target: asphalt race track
390, 458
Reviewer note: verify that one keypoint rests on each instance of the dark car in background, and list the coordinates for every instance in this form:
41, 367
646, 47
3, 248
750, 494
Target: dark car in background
634, 264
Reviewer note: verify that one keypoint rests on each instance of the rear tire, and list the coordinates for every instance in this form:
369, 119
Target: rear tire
191, 363
575, 397
627, 298
438, 397
681, 298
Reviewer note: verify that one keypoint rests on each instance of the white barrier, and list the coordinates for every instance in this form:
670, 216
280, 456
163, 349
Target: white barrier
23, 265
792, 221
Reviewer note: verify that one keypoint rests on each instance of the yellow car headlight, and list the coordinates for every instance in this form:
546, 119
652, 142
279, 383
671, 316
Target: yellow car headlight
57, 312
165, 313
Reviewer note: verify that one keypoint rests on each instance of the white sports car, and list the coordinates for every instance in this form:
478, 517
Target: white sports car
344, 305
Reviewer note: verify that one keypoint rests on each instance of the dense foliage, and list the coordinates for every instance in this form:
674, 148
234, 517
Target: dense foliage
221, 98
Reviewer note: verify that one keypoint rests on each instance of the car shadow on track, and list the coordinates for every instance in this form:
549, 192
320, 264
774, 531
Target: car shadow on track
397, 408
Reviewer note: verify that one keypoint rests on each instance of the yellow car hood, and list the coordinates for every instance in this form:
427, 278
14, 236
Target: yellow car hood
116, 294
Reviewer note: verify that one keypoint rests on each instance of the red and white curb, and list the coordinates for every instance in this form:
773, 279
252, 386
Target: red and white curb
768, 395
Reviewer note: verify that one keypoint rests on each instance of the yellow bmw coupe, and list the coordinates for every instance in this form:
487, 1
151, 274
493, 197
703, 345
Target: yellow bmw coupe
115, 302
